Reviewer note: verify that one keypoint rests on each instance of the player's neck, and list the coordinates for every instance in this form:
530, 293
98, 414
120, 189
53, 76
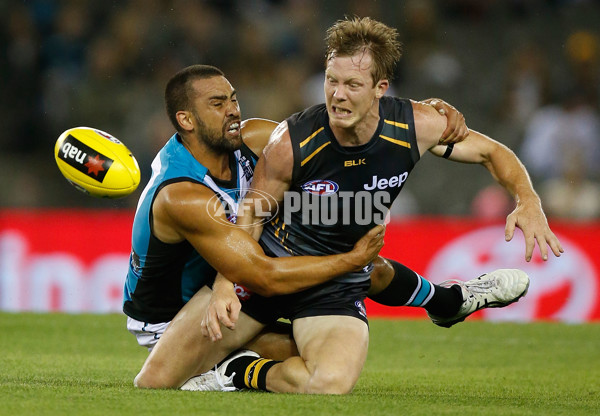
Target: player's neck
217, 162
220, 169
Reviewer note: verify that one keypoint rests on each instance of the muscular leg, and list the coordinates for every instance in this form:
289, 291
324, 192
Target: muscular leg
332, 349
183, 352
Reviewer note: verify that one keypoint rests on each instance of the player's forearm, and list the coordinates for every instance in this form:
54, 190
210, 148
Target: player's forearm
509, 172
283, 275
248, 219
270, 276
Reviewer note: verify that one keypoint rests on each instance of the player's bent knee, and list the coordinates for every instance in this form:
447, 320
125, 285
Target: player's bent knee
153, 380
142, 381
139, 382
330, 383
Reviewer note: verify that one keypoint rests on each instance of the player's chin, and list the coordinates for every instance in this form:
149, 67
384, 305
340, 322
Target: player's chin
342, 123
234, 141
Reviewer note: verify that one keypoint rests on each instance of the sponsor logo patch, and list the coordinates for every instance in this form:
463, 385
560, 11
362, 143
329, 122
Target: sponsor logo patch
242, 292
383, 183
361, 308
85, 159
320, 187
246, 168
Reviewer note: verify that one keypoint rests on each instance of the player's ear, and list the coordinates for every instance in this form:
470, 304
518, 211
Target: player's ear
381, 87
184, 118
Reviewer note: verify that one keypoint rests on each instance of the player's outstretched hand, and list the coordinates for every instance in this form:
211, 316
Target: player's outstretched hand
368, 247
531, 220
456, 127
223, 308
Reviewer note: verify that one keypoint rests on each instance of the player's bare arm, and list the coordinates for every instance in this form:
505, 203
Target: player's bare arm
506, 169
256, 133
456, 129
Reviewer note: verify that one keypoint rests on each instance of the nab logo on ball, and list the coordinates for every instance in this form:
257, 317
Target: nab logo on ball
85, 159
96, 163
320, 187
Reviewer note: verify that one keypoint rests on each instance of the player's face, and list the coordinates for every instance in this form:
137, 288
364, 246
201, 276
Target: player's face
216, 114
349, 90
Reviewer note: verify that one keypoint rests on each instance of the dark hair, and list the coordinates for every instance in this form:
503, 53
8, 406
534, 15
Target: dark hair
350, 36
178, 94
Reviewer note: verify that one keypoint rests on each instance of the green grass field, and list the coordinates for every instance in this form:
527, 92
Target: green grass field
56, 364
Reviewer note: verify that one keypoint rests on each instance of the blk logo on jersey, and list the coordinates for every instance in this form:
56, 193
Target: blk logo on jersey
355, 162
320, 187
85, 159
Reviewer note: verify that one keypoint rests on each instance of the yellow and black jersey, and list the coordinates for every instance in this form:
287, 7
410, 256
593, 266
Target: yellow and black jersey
339, 193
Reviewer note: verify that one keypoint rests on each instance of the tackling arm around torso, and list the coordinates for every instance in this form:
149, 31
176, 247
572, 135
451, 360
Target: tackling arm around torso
182, 211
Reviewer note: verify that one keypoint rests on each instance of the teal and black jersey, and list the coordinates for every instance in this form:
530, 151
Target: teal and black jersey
163, 277
339, 193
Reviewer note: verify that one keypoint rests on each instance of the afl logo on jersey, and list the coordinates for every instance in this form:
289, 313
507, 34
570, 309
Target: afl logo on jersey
320, 187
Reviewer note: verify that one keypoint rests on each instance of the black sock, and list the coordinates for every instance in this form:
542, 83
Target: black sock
250, 372
446, 301
408, 288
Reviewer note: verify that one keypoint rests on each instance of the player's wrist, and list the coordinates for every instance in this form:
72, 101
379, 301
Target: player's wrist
355, 260
222, 284
529, 199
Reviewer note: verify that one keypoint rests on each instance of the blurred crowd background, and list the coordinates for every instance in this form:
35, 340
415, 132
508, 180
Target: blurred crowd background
525, 72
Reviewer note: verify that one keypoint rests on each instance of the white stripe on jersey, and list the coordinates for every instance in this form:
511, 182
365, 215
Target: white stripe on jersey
156, 168
212, 185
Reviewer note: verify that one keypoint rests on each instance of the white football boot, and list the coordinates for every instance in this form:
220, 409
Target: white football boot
216, 380
496, 289
209, 381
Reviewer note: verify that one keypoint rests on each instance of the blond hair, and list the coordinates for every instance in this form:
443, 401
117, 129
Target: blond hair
350, 36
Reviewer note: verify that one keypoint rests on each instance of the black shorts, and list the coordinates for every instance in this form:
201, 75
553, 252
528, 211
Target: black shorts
331, 298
